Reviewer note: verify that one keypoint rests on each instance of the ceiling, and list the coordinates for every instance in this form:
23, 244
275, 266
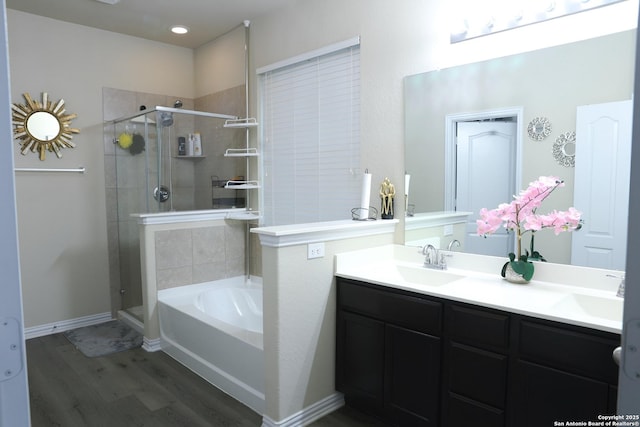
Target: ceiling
151, 19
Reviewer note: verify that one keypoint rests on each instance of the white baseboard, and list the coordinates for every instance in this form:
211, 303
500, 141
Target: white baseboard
309, 414
151, 345
66, 325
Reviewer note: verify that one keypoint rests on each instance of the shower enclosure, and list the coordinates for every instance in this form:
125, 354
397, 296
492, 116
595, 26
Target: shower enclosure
171, 159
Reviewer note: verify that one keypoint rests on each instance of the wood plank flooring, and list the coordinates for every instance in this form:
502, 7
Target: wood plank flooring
135, 388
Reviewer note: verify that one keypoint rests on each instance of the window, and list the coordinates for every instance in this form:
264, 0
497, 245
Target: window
310, 140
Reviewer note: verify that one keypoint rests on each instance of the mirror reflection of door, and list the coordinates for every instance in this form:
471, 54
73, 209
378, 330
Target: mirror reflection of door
485, 177
603, 166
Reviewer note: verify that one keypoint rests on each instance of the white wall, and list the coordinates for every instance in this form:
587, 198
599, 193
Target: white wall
62, 217
300, 324
220, 63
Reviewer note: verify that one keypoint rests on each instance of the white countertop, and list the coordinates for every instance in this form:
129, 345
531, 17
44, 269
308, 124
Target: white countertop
574, 295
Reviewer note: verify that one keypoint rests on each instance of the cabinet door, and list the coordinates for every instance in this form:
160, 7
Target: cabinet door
412, 391
476, 385
543, 395
360, 361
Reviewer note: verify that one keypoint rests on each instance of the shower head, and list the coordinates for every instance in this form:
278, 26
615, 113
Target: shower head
177, 104
166, 118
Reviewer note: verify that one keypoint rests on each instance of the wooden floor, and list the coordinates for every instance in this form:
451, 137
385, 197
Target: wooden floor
134, 388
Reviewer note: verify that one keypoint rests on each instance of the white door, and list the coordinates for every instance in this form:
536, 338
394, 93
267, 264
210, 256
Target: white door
14, 394
603, 165
485, 177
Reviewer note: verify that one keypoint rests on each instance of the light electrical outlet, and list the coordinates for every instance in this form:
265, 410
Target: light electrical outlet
315, 250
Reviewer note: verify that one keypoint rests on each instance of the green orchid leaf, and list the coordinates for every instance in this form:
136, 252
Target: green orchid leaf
524, 268
537, 256
503, 273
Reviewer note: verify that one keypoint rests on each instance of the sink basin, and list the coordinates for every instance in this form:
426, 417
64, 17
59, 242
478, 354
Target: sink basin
425, 276
600, 307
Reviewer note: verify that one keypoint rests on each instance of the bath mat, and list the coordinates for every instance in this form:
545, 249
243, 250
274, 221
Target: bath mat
105, 338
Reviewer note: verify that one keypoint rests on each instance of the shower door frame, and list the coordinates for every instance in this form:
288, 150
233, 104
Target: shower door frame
125, 288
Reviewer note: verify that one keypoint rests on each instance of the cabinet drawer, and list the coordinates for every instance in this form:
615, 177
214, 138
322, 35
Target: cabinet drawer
400, 309
478, 327
546, 395
478, 374
463, 412
585, 353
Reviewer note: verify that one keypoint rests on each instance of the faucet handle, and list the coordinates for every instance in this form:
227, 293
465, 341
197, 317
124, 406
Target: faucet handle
441, 260
454, 242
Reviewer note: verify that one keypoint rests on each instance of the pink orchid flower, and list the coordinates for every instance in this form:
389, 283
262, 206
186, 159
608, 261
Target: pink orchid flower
520, 215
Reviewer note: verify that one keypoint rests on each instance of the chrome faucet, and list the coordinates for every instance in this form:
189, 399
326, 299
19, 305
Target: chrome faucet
620, 292
454, 242
433, 258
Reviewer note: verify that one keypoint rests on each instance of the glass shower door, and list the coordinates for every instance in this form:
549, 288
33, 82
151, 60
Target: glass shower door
132, 176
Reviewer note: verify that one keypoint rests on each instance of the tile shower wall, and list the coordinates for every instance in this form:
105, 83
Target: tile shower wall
195, 255
191, 182
215, 141
124, 245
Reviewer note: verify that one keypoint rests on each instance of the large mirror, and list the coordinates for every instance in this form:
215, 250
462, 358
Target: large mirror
43, 126
549, 83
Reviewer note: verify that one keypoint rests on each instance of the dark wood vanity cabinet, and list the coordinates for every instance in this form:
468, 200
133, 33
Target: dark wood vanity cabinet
416, 360
388, 354
567, 370
475, 367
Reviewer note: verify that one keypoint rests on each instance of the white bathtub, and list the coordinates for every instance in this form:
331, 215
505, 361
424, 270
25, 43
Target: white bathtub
215, 329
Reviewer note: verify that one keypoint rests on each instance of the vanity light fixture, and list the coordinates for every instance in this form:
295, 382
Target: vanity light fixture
179, 29
503, 15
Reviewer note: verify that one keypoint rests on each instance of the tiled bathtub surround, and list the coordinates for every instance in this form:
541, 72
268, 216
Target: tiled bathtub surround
182, 249
196, 255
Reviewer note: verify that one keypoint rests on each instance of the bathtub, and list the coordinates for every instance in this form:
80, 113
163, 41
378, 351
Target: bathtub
215, 329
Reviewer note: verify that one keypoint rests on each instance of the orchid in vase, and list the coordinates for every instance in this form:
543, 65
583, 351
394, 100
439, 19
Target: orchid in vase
521, 217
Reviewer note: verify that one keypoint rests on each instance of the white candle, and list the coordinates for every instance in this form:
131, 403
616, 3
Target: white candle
407, 179
366, 194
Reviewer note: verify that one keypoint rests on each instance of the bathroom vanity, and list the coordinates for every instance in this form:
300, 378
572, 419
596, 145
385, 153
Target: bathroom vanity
461, 347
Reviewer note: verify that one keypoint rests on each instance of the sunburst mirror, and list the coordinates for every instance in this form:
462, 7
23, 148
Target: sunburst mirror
42, 126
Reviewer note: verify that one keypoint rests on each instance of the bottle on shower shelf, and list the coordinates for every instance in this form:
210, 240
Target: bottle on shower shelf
197, 143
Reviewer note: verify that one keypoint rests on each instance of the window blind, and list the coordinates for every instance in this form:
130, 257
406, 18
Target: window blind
310, 138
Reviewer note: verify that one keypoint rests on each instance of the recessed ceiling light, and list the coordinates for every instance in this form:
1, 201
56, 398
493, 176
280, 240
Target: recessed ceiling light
179, 29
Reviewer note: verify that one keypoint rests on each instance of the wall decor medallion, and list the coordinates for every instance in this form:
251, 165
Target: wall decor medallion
42, 126
564, 149
539, 128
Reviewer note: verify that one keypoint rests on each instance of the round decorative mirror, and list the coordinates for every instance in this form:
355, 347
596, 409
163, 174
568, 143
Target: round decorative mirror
539, 128
564, 149
43, 126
